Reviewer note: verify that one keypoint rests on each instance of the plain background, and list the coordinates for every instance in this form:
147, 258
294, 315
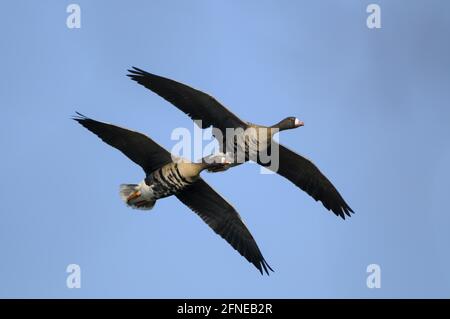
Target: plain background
376, 112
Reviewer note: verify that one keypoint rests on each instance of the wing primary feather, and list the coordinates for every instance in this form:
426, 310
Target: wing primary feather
196, 104
136, 146
218, 214
305, 175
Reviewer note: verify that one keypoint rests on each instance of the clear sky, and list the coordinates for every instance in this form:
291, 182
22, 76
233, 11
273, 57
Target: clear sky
375, 103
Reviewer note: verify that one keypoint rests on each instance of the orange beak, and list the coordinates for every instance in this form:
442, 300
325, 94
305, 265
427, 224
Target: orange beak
298, 123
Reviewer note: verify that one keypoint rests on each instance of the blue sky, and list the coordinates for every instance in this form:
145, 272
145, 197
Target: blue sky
376, 113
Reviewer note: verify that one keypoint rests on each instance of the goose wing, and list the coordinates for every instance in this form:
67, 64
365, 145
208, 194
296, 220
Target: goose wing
304, 174
197, 104
224, 220
136, 146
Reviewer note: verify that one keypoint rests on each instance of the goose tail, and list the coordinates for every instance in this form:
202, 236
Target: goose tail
131, 196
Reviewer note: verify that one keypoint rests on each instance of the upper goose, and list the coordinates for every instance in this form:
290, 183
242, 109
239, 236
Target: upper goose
201, 106
165, 177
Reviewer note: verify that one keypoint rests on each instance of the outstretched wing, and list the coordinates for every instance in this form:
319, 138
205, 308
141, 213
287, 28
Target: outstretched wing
224, 220
136, 146
303, 173
197, 104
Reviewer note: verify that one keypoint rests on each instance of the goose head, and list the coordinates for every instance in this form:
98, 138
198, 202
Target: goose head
288, 123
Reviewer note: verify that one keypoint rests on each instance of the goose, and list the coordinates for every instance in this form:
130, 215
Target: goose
165, 177
249, 140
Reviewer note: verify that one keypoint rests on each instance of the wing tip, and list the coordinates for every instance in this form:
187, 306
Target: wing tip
79, 117
342, 210
264, 267
136, 73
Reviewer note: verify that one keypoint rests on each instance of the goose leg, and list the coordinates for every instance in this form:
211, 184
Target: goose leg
134, 195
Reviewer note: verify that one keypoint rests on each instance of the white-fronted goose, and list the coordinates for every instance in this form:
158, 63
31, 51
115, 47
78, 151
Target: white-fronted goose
201, 106
164, 177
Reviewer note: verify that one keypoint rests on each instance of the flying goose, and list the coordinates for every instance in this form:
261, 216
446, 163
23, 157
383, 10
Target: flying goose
199, 105
165, 177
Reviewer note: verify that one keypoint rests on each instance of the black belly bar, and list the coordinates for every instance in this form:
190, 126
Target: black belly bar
166, 182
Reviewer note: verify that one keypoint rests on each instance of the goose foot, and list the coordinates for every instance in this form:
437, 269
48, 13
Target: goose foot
134, 195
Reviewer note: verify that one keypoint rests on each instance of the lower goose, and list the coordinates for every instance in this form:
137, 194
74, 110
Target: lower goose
164, 178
